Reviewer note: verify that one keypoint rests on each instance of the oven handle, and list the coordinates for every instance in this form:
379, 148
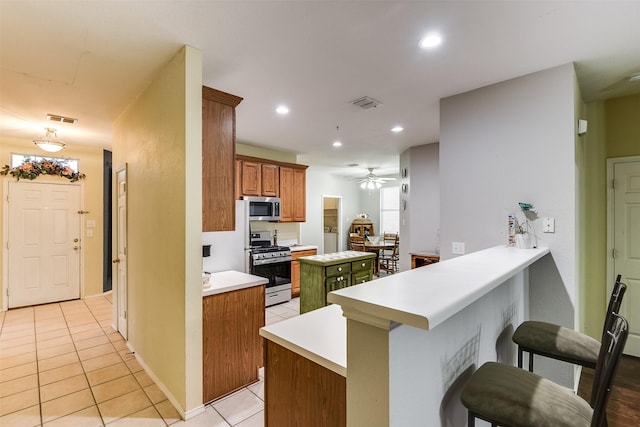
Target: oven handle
271, 260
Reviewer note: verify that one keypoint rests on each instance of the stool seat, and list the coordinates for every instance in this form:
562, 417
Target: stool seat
558, 342
511, 396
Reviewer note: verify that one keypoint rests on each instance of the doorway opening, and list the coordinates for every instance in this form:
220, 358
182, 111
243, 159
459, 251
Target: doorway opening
331, 224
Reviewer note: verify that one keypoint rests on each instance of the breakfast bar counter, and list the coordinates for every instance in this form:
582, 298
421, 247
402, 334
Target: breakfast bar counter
404, 331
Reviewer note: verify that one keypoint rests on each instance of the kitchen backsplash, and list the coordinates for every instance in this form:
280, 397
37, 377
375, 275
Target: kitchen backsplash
287, 232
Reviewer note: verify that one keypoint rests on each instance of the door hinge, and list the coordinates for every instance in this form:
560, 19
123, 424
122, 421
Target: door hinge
613, 253
125, 314
613, 184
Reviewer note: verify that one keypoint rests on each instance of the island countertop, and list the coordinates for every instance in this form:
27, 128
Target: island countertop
231, 280
319, 335
337, 257
426, 297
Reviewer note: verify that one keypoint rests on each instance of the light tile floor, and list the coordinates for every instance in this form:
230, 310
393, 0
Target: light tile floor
63, 365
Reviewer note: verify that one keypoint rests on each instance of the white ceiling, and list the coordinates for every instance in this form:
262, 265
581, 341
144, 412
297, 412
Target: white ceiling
90, 59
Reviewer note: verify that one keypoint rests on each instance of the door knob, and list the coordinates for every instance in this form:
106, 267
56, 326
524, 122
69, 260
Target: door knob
75, 248
115, 261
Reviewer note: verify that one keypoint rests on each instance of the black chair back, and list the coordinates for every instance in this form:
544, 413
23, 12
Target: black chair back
607, 365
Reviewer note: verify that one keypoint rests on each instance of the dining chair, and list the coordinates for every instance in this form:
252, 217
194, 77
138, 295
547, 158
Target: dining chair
388, 261
356, 243
505, 395
560, 343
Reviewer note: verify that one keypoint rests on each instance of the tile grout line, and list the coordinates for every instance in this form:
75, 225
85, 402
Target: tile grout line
81, 365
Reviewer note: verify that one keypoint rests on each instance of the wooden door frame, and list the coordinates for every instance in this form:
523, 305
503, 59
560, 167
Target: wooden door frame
340, 232
610, 210
5, 236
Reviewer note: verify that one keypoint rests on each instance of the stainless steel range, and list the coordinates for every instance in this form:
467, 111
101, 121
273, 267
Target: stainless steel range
273, 263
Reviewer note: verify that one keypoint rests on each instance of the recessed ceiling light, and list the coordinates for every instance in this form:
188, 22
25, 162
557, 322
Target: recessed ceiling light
634, 77
431, 40
282, 110
337, 144
397, 129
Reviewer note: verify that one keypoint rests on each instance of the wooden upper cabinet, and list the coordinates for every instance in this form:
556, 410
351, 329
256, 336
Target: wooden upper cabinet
218, 159
270, 180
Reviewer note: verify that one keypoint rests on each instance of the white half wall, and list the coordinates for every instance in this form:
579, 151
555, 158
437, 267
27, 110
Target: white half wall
507, 143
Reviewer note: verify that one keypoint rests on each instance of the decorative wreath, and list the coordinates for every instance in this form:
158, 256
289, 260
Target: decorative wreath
31, 169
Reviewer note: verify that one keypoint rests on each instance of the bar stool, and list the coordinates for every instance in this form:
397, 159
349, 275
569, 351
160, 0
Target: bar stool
508, 396
560, 343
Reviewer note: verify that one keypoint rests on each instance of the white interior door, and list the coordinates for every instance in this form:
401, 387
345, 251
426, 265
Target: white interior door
120, 263
626, 249
43, 243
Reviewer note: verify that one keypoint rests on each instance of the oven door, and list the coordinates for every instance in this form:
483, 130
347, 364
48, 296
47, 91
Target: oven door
278, 289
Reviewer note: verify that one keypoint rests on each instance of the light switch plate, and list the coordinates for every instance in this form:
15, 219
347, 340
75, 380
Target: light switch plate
457, 248
91, 223
548, 225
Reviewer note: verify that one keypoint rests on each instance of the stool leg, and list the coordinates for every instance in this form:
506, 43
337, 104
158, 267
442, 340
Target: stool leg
519, 357
530, 362
471, 422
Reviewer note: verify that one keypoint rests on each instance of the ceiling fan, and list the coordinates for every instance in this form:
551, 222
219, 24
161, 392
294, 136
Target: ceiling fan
371, 181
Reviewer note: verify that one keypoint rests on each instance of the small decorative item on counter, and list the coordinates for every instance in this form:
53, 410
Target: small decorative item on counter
363, 216
511, 223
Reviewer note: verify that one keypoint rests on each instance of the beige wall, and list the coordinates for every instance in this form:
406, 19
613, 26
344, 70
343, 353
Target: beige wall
90, 163
266, 153
614, 131
159, 137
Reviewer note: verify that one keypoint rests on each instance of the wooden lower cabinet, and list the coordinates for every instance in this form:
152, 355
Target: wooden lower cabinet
299, 392
231, 344
295, 269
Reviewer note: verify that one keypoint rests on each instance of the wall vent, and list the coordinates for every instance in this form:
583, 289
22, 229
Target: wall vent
366, 102
61, 119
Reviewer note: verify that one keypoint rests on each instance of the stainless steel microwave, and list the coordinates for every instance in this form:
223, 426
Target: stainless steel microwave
263, 208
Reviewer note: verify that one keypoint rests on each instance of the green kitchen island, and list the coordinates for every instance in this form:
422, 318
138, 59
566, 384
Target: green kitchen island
321, 274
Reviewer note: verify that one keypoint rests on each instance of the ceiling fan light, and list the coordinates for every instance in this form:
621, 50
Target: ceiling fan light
370, 185
363, 185
378, 185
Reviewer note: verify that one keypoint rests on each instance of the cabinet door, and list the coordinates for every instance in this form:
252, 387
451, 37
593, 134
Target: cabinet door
270, 180
231, 344
295, 279
286, 194
299, 195
251, 178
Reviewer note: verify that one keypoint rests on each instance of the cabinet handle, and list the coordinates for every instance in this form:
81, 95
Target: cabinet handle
363, 264
339, 268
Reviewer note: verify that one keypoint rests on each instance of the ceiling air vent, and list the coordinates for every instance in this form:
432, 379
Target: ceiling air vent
366, 102
61, 119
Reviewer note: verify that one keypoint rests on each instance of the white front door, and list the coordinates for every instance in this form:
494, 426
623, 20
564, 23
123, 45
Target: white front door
43, 243
626, 249
120, 262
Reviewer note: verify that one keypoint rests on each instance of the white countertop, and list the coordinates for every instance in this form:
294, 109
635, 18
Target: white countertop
319, 335
427, 296
231, 280
302, 248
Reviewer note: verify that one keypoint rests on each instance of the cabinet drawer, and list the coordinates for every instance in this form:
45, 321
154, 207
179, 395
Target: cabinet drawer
361, 277
337, 282
338, 269
364, 264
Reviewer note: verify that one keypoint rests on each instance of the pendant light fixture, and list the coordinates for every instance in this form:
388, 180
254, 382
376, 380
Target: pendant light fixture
48, 143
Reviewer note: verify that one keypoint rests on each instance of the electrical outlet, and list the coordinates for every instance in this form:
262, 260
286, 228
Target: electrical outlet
89, 233
457, 248
91, 223
548, 225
